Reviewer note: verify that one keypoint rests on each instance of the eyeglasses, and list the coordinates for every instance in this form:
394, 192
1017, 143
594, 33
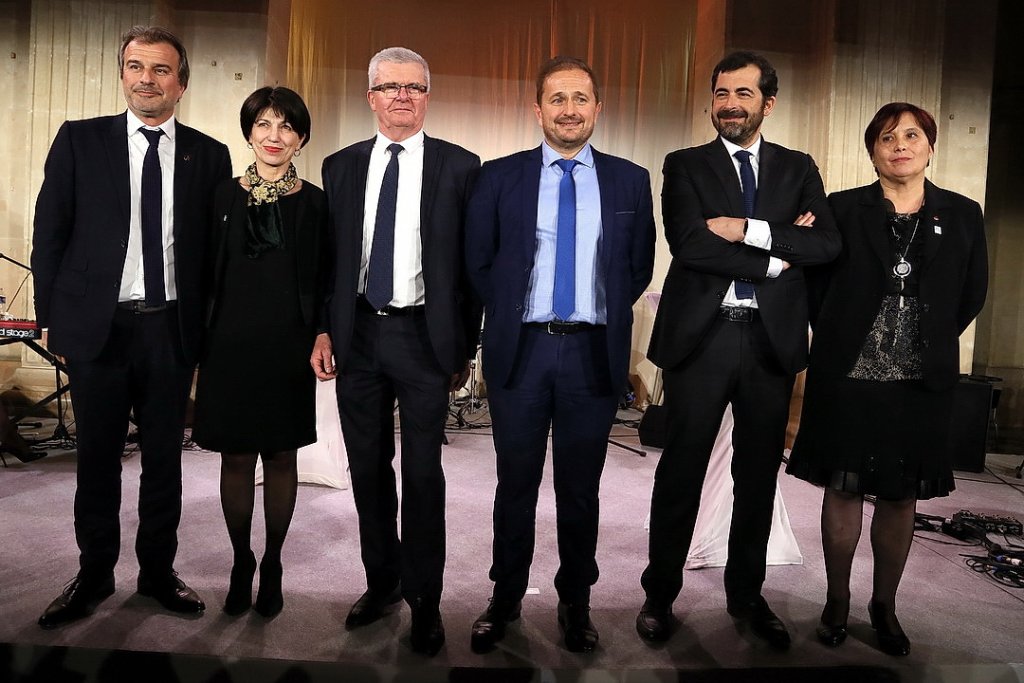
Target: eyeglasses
413, 91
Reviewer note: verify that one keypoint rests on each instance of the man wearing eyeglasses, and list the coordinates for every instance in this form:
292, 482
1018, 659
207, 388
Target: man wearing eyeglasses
399, 323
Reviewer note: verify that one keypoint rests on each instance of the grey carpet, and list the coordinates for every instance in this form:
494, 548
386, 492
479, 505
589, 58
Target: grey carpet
963, 625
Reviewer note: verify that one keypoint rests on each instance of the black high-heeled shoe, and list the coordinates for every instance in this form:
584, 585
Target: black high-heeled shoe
269, 600
891, 638
832, 631
239, 597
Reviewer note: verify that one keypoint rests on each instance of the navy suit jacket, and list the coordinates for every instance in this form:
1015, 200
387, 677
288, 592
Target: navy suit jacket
953, 281
501, 240
82, 221
701, 183
452, 313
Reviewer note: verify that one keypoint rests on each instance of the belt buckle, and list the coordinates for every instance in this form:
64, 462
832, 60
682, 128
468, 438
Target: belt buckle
383, 312
554, 331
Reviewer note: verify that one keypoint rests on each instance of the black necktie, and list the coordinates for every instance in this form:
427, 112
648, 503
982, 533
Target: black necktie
152, 221
564, 295
381, 270
745, 290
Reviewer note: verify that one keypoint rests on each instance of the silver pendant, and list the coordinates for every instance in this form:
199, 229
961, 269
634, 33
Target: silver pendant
901, 269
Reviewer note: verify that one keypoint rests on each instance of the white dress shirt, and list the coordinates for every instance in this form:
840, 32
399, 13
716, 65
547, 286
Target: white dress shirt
759, 233
133, 282
408, 261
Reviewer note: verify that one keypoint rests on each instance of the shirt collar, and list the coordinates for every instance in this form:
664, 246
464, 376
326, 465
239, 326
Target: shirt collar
549, 156
754, 149
134, 123
410, 144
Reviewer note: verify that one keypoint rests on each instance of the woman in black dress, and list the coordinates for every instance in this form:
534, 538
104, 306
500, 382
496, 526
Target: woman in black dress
884, 361
256, 391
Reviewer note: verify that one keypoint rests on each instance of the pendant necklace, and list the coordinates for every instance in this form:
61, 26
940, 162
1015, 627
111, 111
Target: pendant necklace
903, 268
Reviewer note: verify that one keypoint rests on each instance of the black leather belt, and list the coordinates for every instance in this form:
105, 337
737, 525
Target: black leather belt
390, 311
139, 306
558, 327
735, 314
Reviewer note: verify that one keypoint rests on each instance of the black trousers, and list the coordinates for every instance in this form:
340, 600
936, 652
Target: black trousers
561, 384
734, 364
141, 369
391, 357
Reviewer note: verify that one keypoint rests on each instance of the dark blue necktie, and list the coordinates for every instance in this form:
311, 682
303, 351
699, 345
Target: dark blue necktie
152, 221
745, 290
381, 275
564, 300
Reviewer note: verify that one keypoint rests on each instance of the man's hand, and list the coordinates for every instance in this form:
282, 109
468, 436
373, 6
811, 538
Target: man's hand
459, 378
804, 220
322, 359
730, 229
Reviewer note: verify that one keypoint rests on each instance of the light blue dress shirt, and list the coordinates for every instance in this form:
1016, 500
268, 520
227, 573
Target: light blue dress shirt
590, 288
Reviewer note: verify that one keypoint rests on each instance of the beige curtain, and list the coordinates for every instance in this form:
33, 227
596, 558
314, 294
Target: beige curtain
483, 58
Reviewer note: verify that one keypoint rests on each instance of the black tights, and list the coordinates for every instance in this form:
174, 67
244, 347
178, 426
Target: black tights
238, 496
892, 530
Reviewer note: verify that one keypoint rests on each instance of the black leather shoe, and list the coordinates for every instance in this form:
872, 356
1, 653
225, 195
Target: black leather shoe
577, 628
489, 627
831, 629
77, 601
654, 623
371, 606
269, 600
172, 593
427, 634
891, 638
239, 597
762, 622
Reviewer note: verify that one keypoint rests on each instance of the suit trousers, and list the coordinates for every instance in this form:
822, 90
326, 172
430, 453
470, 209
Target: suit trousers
391, 357
140, 370
734, 363
559, 383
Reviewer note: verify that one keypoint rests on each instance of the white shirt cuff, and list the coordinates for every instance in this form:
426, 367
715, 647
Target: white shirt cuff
774, 267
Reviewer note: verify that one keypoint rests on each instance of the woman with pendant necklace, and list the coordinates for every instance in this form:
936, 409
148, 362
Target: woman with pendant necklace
256, 393
886, 318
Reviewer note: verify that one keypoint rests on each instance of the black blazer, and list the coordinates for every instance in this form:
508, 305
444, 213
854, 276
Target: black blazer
452, 314
501, 241
701, 183
81, 231
311, 245
952, 286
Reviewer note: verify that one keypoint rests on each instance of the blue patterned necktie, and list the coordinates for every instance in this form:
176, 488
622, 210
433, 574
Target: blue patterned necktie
381, 270
152, 221
745, 290
564, 299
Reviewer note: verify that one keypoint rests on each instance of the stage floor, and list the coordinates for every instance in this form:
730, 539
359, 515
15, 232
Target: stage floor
963, 625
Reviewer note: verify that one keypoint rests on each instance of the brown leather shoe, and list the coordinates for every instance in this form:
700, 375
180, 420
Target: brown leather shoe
77, 601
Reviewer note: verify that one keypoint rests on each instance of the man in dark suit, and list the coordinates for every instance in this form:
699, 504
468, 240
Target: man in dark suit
559, 244
117, 254
400, 323
731, 328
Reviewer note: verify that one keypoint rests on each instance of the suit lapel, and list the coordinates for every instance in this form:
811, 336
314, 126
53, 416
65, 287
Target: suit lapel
120, 171
606, 185
357, 202
184, 173
721, 163
530, 190
767, 180
874, 224
432, 162
932, 222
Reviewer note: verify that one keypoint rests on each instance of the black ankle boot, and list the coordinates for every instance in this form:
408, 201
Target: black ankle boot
239, 597
269, 600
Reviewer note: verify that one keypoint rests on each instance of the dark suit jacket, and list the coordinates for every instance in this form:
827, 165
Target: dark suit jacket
453, 316
501, 240
952, 285
701, 183
81, 231
311, 245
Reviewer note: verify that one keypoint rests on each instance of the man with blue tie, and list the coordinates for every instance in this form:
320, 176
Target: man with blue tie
117, 260
731, 328
400, 323
559, 245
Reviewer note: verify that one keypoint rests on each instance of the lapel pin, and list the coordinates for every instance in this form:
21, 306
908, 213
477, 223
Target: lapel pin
186, 157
